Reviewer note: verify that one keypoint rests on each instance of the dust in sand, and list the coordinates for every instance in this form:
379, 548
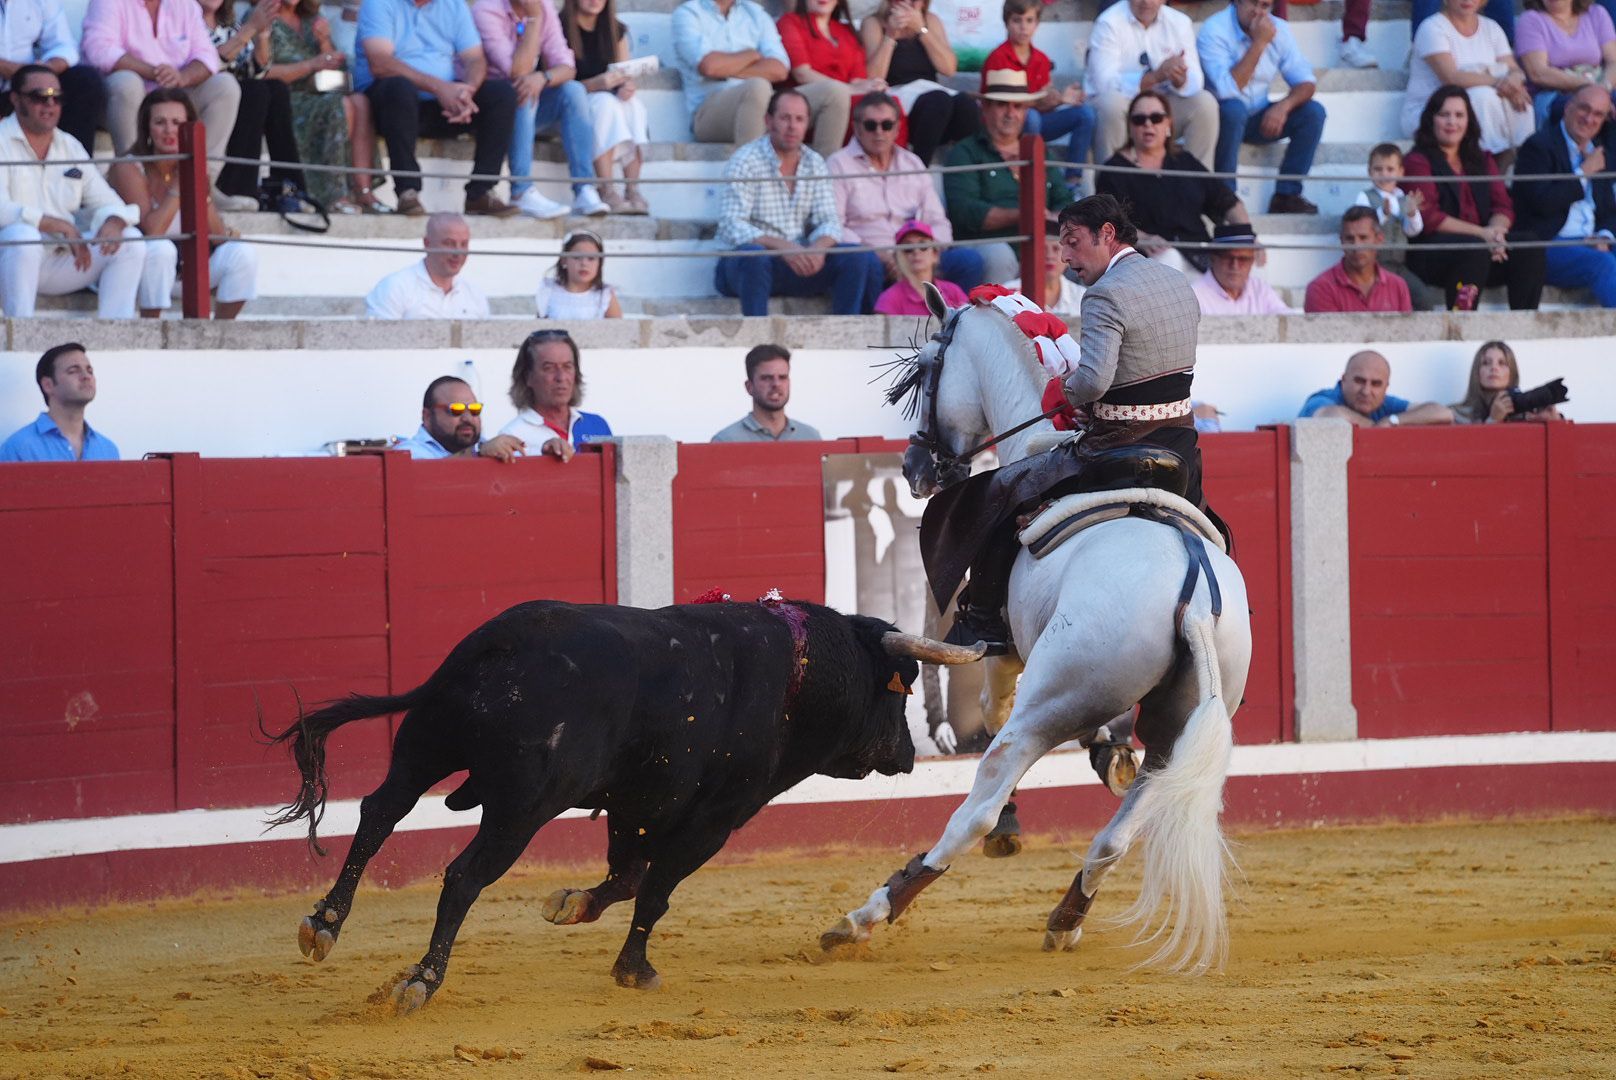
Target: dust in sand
1454, 950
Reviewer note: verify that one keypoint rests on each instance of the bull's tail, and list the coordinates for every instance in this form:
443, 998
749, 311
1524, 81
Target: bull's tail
307, 738
1186, 859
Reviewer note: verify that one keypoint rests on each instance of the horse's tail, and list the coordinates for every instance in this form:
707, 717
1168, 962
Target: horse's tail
1186, 860
307, 737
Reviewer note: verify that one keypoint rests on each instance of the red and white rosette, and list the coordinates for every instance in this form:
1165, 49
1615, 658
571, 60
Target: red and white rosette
1056, 349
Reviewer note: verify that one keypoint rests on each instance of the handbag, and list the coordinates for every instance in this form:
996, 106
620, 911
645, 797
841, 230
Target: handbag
296, 207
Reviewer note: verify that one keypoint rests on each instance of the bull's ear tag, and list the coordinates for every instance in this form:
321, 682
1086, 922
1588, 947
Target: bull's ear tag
896, 685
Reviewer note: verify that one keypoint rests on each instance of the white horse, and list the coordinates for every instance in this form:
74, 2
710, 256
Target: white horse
1094, 620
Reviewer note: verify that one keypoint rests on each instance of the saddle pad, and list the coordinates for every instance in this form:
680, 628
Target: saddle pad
1062, 510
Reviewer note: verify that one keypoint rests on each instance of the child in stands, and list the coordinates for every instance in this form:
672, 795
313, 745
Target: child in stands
579, 290
1399, 215
1059, 112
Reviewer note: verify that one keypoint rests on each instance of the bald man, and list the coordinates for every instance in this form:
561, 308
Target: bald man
431, 288
1360, 398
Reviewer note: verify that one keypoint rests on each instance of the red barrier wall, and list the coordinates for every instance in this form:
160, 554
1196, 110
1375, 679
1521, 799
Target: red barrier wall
148, 608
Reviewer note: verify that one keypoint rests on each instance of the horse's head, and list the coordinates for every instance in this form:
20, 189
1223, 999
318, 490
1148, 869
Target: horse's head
947, 411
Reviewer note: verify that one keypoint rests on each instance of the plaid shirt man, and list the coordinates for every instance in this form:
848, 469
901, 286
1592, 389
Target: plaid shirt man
804, 211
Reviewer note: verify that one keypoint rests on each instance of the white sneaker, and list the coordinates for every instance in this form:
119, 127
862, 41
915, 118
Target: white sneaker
535, 205
1354, 53
234, 203
589, 203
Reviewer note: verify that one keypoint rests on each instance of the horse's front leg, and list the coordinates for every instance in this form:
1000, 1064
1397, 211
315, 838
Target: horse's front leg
998, 699
1012, 753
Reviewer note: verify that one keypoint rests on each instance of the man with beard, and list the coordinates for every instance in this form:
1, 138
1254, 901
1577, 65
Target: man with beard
768, 381
67, 382
452, 426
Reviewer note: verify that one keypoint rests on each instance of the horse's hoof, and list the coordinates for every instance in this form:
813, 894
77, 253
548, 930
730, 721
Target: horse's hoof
638, 980
564, 907
1061, 940
846, 932
1002, 846
1122, 771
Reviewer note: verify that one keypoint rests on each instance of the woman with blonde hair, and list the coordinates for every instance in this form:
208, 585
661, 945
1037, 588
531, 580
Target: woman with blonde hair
621, 125
1493, 373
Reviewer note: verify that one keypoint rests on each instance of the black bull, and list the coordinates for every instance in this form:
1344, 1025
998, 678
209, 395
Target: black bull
680, 723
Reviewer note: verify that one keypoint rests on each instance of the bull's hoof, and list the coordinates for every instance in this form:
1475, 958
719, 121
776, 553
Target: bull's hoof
1001, 846
414, 990
565, 907
1061, 940
644, 978
846, 932
317, 933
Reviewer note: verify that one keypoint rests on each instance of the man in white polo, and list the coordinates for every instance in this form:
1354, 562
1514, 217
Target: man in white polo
431, 288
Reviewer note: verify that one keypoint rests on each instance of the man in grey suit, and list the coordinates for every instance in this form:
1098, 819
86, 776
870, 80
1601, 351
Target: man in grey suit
1131, 394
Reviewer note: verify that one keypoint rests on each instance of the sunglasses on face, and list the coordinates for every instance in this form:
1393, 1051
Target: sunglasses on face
548, 335
43, 97
460, 408
880, 125
1140, 119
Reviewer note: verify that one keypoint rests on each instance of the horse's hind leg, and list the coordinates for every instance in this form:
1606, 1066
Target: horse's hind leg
407, 780
998, 699
625, 868
1065, 925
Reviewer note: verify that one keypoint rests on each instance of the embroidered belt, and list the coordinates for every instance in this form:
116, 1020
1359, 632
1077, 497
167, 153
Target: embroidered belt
1167, 410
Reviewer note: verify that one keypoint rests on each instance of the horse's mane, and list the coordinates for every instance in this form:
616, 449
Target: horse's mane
908, 371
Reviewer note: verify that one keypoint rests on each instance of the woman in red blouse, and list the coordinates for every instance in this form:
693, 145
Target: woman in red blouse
827, 65
1477, 213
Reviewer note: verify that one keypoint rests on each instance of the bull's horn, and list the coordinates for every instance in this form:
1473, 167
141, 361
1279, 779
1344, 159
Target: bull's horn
930, 650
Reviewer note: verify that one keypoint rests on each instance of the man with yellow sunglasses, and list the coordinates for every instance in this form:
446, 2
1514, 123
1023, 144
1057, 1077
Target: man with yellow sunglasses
452, 426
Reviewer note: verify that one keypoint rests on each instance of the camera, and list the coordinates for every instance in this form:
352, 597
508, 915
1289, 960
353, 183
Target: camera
1539, 397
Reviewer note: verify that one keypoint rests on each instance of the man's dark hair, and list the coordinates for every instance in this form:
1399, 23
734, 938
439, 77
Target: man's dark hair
1098, 210
20, 78
46, 368
1359, 213
789, 92
432, 388
762, 354
872, 101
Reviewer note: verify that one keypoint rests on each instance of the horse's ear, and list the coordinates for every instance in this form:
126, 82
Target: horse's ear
935, 302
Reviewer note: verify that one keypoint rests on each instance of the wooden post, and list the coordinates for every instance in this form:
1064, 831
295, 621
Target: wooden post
195, 288
1032, 218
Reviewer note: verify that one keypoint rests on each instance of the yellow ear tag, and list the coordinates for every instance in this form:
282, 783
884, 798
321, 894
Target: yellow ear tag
896, 685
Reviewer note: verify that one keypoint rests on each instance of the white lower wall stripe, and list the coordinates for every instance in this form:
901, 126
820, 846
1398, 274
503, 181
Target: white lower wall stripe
947, 777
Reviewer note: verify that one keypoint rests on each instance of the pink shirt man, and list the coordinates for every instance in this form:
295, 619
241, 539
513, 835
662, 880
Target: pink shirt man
497, 24
114, 29
873, 208
1257, 298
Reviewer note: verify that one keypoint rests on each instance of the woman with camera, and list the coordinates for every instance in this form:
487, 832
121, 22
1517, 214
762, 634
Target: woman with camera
333, 126
1493, 374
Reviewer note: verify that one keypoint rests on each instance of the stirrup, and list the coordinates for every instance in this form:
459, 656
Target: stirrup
974, 624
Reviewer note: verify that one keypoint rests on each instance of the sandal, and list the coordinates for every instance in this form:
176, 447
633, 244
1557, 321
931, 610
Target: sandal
369, 204
345, 206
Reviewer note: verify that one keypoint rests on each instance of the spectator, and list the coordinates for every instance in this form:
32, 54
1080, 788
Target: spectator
1563, 46
333, 126
1477, 212
1139, 46
1354, 51
906, 44
547, 386
916, 267
1575, 207
1166, 209
795, 208
1457, 47
1493, 374
452, 426
986, 204
1062, 295
139, 49
1242, 49
578, 289
524, 46
153, 187
768, 382
730, 57
67, 383
616, 113
1358, 283
1398, 215
1057, 113
1501, 12
431, 288
827, 65
1360, 398
37, 32
1227, 287
873, 208
264, 115
34, 204
421, 64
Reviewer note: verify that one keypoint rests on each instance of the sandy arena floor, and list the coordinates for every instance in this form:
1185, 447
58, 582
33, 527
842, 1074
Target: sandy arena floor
1442, 951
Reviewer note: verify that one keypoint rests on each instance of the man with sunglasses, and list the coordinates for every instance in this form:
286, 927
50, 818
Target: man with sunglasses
51, 200
37, 32
452, 426
874, 207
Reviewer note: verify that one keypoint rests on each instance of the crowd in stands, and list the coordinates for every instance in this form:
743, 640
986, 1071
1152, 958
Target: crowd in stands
819, 109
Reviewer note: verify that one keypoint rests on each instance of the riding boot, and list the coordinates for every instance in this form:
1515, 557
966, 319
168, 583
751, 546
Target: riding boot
980, 616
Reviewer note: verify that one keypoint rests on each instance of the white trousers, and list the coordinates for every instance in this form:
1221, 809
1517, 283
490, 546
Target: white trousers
620, 126
31, 269
232, 271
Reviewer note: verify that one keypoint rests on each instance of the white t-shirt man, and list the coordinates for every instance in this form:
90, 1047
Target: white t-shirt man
411, 293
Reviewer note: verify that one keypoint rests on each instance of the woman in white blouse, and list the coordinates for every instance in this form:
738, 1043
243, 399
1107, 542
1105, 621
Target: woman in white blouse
1458, 46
